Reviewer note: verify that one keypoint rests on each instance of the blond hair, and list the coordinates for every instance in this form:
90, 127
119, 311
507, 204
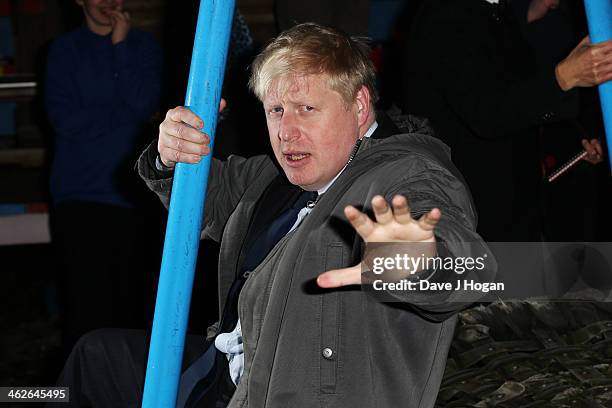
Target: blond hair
312, 49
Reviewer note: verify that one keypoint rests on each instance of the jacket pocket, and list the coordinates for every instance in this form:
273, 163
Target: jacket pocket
330, 325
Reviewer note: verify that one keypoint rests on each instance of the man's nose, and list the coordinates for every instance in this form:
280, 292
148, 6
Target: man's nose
288, 129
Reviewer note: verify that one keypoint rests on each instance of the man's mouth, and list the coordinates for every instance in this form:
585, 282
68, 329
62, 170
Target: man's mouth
296, 157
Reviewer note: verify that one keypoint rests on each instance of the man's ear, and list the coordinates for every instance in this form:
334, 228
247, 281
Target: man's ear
362, 101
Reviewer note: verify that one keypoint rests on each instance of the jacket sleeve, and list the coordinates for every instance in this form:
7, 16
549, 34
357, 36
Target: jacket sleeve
228, 180
453, 62
428, 185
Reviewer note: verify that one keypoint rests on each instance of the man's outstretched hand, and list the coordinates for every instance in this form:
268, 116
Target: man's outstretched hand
393, 224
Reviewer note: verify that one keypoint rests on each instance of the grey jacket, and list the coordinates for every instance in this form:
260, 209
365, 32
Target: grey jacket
307, 347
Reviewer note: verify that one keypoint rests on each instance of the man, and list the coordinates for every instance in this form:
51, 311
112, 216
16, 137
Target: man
303, 333
469, 69
102, 85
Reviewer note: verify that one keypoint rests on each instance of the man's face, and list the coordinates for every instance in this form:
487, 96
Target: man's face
97, 11
312, 131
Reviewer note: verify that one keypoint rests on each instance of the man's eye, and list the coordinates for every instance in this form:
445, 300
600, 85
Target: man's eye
308, 108
277, 110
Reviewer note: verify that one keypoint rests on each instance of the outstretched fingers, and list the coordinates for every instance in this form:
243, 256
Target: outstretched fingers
401, 209
360, 221
382, 211
429, 220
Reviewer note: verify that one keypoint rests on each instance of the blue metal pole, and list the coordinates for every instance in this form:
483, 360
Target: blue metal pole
599, 16
186, 209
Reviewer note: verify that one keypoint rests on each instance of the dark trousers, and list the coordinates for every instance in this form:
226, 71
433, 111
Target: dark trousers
106, 368
104, 278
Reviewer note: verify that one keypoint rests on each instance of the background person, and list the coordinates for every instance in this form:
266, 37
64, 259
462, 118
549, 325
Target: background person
470, 70
102, 85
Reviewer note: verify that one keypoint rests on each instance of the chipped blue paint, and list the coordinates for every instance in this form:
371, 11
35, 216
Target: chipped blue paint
187, 210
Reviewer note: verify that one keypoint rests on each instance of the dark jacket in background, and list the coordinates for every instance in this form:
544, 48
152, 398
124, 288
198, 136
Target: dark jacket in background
468, 68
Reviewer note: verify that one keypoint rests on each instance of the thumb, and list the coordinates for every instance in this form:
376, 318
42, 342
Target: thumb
340, 277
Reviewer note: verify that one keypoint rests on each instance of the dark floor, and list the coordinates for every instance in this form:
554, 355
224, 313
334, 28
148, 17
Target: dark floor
30, 336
